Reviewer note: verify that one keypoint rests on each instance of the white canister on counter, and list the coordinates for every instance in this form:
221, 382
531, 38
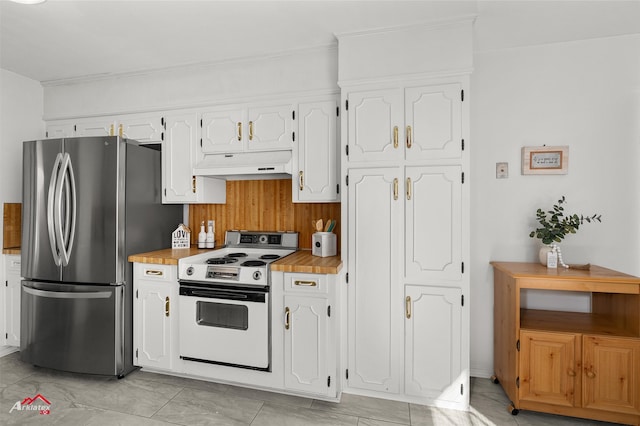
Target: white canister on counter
202, 237
210, 240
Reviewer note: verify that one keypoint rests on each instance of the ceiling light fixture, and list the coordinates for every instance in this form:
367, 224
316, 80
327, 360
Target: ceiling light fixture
28, 1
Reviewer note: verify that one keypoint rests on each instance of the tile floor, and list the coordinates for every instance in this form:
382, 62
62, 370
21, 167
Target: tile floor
143, 399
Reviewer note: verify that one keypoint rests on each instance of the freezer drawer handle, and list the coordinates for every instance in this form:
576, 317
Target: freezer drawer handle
68, 295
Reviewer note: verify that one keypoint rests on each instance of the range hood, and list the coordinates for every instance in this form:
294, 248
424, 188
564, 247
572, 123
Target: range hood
246, 165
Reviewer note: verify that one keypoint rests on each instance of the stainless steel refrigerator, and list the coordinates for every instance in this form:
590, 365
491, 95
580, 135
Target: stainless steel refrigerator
88, 203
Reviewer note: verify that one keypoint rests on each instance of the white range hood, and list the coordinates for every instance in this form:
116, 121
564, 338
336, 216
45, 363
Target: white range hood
246, 165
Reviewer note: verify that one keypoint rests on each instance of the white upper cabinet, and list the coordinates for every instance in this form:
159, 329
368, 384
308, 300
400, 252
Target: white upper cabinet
433, 122
270, 127
316, 171
60, 129
95, 127
414, 124
238, 128
222, 130
143, 128
375, 125
179, 154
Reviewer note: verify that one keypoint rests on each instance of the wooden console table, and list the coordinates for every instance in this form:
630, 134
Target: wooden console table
576, 364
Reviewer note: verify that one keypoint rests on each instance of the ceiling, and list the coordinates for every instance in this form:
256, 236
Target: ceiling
64, 40
67, 39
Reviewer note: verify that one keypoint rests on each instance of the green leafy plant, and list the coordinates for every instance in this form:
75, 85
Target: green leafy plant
555, 225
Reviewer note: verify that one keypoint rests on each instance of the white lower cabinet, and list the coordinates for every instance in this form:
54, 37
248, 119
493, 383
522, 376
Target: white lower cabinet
433, 343
155, 315
310, 334
12, 301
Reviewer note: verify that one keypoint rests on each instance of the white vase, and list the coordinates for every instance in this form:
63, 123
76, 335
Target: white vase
543, 254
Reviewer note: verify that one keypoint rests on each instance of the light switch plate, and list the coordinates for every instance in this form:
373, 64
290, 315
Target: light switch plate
502, 170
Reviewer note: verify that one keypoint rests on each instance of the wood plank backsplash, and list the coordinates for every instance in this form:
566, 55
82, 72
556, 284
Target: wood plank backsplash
262, 205
12, 225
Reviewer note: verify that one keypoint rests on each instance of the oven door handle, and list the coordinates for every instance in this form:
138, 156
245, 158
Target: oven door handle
224, 295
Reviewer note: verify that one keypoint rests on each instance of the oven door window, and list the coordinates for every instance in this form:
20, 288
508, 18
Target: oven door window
222, 315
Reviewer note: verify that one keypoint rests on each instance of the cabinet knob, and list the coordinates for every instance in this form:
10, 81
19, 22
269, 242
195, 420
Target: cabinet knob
571, 372
590, 374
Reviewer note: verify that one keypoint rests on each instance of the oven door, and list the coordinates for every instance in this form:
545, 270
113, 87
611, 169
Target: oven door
223, 324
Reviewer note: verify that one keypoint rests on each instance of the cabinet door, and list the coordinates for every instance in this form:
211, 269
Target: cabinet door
60, 130
550, 367
222, 130
142, 128
374, 316
433, 337
178, 158
12, 301
270, 127
376, 131
93, 127
611, 374
154, 314
317, 162
433, 223
433, 120
305, 344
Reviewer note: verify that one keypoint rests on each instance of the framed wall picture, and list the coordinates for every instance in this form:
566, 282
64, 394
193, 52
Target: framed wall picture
545, 160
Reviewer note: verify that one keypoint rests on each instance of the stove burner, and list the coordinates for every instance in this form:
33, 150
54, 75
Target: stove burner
253, 263
237, 255
270, 256
221, 260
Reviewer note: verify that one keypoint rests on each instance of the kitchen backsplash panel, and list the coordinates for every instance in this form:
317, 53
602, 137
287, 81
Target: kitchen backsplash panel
12, 220
262, 205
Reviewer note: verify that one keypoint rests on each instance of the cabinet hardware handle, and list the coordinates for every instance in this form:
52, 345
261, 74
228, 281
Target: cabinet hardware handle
154, 273
395, 136
571, 372
193, 184
251, 130
287, 316
409, 137
239, 130
407, 306
408, 188
301, 179
395, 188
166, 306
591, 374
120, 130
111, 130
305, 283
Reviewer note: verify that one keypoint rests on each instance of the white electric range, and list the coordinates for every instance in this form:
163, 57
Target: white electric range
225, 300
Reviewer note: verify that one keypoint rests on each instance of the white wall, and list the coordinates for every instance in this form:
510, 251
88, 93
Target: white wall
585, 94
21, 102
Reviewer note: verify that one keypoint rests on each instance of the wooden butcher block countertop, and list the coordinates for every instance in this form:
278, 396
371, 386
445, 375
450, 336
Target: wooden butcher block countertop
11, 250
304, 261
166, 256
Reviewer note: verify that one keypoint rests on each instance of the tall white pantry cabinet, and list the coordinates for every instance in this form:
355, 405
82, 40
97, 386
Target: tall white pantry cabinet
405, 161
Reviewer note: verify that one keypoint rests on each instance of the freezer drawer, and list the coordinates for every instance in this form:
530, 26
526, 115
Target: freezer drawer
77, 328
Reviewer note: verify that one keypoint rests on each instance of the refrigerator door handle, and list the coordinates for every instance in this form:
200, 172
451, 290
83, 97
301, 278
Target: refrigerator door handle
67, 294
51, 209
69, 188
